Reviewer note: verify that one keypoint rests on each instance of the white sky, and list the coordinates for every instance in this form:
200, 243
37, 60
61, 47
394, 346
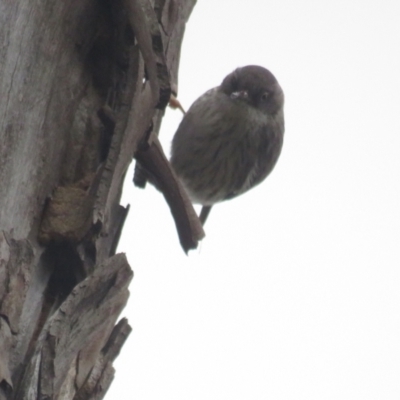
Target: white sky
295, 292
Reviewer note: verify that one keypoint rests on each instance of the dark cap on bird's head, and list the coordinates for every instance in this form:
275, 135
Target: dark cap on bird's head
256, 85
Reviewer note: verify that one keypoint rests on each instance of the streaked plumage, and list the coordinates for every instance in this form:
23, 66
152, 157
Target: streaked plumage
231, 137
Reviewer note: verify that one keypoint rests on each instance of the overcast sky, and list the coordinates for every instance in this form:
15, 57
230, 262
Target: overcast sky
295, 291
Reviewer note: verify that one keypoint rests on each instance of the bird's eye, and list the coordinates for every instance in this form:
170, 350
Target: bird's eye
234, 85
265, 96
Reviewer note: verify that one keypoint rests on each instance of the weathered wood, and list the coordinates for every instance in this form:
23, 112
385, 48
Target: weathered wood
81, 83
187, 223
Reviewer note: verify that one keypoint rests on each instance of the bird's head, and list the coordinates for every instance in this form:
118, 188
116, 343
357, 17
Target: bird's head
256, 86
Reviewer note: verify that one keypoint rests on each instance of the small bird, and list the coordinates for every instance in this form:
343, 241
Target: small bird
231, 137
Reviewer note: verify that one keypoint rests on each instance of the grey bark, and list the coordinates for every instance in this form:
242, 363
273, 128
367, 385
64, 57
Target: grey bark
83, 88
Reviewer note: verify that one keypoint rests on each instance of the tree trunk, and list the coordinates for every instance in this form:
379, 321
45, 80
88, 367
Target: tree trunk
83, 86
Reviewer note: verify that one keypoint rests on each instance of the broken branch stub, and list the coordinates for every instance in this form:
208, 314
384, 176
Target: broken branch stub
151, 37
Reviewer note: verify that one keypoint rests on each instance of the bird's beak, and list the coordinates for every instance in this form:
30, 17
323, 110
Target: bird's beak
242, 94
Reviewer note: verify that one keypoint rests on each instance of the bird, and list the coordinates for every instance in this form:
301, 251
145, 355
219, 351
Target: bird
231, 137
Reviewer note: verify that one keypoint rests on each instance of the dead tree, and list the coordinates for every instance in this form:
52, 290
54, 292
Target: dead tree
83, 85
